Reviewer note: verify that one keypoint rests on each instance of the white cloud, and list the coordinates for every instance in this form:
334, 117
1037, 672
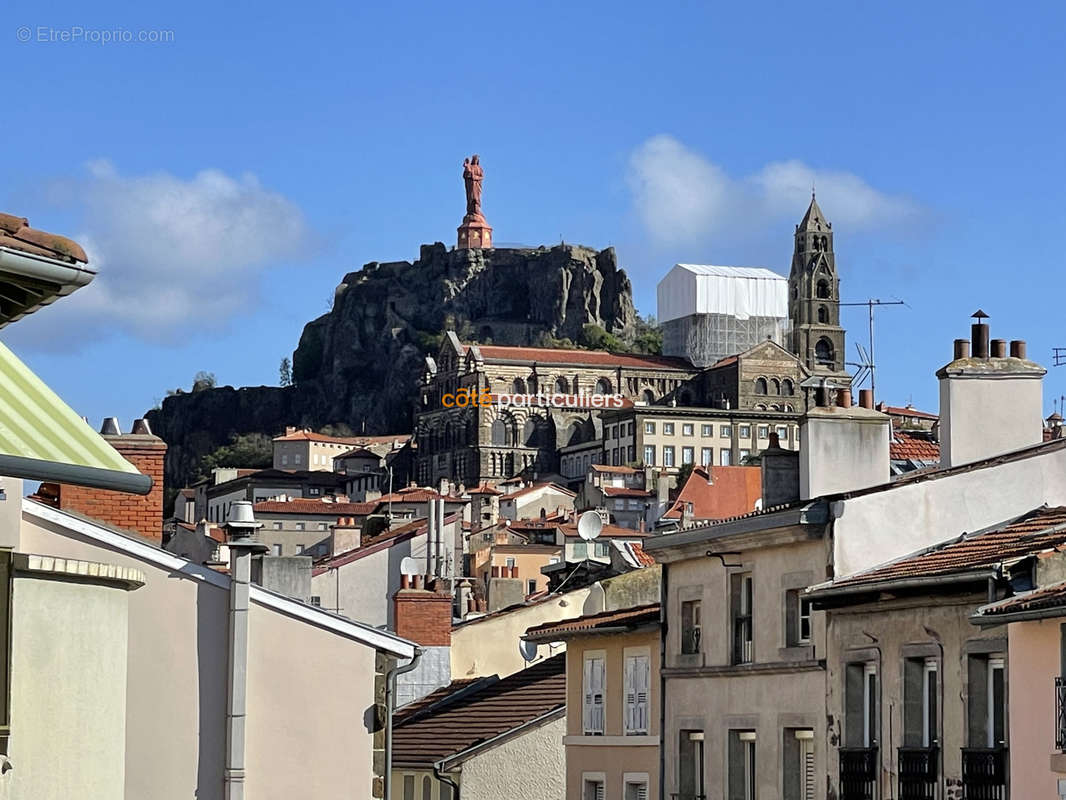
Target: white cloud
173, 254
683, 198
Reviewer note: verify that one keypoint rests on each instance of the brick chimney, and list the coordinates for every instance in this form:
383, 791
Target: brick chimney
423, 616
140, 514
990, 402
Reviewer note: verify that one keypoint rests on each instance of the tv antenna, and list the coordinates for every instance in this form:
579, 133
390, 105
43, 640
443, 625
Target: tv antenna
1058, 356
866, 357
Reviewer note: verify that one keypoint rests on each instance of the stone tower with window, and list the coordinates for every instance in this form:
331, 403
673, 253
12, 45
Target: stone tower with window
814, 298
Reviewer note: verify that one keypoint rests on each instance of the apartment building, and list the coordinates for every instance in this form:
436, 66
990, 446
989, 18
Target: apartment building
303, 449
612, 701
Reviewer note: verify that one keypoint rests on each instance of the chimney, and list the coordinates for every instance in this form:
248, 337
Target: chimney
780, 474
841, 450
141, 514
345, 535
866, 399
990, 403
423, 616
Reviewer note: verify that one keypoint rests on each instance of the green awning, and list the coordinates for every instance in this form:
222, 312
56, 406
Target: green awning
41, 438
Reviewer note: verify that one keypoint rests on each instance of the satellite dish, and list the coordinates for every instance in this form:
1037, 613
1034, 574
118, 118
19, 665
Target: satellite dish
589, 525
408, 566
528, 650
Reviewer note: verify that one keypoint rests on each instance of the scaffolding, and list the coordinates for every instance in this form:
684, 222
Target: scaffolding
706, 338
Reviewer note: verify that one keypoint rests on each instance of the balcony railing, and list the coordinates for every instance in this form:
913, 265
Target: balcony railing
918, 768
742, 644
858, 773
984, 773
1060, 713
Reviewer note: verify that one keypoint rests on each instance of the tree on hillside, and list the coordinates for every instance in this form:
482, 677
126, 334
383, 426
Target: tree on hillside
285, 372
203, 380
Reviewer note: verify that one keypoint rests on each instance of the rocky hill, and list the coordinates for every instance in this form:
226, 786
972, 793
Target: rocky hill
359, 365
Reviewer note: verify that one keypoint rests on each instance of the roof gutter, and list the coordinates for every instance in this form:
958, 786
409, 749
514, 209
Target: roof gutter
983, 621
827, 591
68, 277
92, 477
609, 630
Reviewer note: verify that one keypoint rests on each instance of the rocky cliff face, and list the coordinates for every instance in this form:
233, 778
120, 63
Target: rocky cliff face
360, 363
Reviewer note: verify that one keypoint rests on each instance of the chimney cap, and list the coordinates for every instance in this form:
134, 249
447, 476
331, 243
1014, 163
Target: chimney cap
111, 427
241, 520
979, 315
141, 427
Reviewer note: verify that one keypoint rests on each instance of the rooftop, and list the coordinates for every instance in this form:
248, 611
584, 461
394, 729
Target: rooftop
16, 234
726, 492
321, 507
464, 715
605, 621
593, 358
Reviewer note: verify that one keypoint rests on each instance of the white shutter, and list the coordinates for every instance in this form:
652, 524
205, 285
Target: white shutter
631, 694
586, 713
642, 669
598, 682
599, 789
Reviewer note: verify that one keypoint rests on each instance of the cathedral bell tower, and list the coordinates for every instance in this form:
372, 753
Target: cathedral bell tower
814, 298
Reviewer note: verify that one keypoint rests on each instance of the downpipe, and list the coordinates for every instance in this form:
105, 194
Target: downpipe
390, 708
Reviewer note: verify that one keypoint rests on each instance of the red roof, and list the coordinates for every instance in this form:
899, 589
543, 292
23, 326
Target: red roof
1043, 599
732, 492
485, 488
536, 486
16, 233
375, 544
625, 491
906, 411
593, 358
590, 623
416, 494
616, 470
908, 445
1039, 530
469, 714
305, 506
608, 532
355, 441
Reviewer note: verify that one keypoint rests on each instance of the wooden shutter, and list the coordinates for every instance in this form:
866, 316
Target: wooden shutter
586, 711
598, 682
599, 789
642, 670
631, 694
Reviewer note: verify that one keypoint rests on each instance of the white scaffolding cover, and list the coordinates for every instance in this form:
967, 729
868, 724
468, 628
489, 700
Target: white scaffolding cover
741, 292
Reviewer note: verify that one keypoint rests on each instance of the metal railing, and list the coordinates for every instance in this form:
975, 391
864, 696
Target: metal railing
918, 770
858, 773
1060, 713
742, 640
984, 773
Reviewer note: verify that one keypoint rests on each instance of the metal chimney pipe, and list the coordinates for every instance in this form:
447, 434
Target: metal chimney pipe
141, 427
1017, 348
979, 334
999, 348
844, 398
111, 427
866, 398
962, 348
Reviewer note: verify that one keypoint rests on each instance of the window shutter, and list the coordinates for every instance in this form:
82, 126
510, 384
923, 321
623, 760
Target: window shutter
597, 697
631, 695
599, 791
642, 792
587, 707
642, 668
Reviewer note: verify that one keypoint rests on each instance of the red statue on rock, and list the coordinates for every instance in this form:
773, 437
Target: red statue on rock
475, 231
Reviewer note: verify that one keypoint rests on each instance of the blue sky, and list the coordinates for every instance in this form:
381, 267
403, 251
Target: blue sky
226, 180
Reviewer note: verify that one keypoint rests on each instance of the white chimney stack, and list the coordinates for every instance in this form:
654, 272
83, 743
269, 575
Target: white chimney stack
842, 448
991, 402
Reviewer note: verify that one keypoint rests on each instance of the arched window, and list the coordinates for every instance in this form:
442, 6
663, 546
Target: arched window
531, 384
823, 315
519, 386
574, 434
760, 386
508, 467
760, 407
648, 396
499, 433
775, 386
562, 386
822, 290
825, 243
427, 788
786, 388
788, 407
603, 386
775, 407
823, 351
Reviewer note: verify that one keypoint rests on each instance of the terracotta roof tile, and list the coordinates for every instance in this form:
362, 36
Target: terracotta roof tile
355, 441
732, 491
305, 506
596, 358
1048, 597
913, 446
625, 491
608, 532
16, 233
614, 470
537, 486
1041, 529
477, 713
590, 623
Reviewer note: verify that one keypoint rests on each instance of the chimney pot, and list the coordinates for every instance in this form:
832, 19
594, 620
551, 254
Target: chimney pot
962, 349
111, 427
843, 400
141, 427
405, 582
979, 334
999, 348
1017, 348
866, 398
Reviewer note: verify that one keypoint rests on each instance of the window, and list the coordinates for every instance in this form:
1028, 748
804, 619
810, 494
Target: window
277, 549
822, 291
706, 456
601, 548
687, 429
823, 351
764, 431
632, 452
531, 586
427, 788
322, 526
725, 457
782, 433
510, 562
760, 386
742, 591
408, 787
725, 431
581, 549
636, 787
690, 764
797, 618
987, 704
745, 432
668, 456
668, 429
284, 461
593, 788
594, 689
687, 455
798, 763
861, 705
299, 526
296, 458
314, 491
649, 427
920, 701
744, 454
633, 504
742, 765
276, 526
691, 626
706, 430
786, 388
637, 683
316, 601
649, 455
